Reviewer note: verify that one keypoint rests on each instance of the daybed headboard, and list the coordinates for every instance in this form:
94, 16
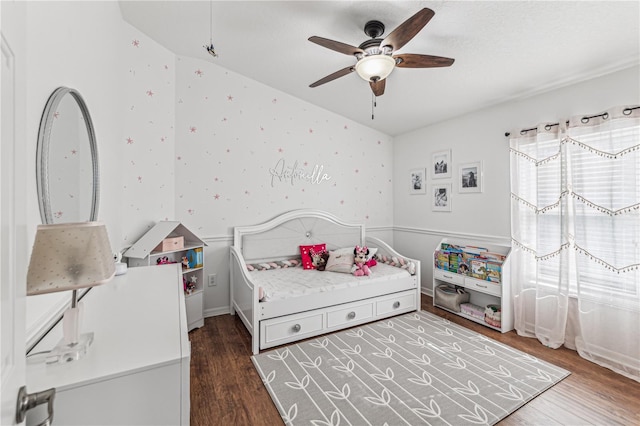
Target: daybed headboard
281, 236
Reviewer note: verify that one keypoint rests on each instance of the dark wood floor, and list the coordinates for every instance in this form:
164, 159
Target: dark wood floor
226, 389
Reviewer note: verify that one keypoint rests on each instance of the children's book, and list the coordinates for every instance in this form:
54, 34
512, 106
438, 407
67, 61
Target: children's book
494, 271
478, 268
463, 268
450, 247
455, 259
442, 261
474, 250
498, 257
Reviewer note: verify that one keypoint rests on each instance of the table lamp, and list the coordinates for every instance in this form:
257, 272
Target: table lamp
70, 256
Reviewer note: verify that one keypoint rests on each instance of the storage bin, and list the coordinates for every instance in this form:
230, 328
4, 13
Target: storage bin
170, 244
493, 315
450, 297
472, 310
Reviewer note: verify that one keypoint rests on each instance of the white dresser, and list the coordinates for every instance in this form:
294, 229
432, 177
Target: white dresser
136, 372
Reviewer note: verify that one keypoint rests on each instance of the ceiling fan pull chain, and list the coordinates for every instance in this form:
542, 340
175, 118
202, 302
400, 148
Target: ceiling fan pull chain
373, 105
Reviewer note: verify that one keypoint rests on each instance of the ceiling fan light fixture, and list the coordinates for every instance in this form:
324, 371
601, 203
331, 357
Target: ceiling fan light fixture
375, 67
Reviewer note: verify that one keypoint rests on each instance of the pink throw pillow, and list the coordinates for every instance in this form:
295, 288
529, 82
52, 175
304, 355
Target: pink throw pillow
307, 263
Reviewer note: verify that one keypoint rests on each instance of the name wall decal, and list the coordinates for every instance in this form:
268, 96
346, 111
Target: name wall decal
282, 172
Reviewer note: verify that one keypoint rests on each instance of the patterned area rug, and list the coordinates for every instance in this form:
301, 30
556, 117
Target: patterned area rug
413, 369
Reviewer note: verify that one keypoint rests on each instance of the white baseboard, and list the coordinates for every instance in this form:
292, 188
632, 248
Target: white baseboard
213, 312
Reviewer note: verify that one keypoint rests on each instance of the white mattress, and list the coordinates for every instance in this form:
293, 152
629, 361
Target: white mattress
292, 282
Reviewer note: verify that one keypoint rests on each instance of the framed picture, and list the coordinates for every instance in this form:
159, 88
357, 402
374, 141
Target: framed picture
418, 183
441, 164
441, 194
470, 177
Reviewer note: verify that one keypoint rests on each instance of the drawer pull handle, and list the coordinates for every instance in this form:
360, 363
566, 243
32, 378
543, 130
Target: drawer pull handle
447, 276
351, 315
296, 328
481, 286
396, 304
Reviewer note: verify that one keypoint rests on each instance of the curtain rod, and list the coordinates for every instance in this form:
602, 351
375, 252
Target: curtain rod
584, 120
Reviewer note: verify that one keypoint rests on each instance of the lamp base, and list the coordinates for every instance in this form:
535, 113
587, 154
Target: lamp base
68, 352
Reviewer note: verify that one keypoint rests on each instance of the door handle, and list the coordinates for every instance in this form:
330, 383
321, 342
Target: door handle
27, 401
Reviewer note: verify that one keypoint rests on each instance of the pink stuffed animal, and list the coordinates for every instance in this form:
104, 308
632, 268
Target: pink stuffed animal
360, 267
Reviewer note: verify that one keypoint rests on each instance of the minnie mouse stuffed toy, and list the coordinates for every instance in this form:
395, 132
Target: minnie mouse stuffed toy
360, 267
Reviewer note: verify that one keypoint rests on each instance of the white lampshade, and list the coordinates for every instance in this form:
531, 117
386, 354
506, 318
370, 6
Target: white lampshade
375, 67
69, 256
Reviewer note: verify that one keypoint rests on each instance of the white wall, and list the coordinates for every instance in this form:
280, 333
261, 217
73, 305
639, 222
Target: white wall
479, 136
147, 135
87, 46
76, 44
73, 44
231, 131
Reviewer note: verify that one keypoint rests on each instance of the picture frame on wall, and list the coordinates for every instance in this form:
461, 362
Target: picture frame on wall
441, 164
417, 181
470, 177
441, 197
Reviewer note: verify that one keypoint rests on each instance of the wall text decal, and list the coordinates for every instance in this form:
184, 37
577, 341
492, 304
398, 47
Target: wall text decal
282, 172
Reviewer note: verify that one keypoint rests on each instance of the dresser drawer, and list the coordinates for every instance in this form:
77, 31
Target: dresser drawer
483, 286
400, 303
353, 314
278, 331
450, 277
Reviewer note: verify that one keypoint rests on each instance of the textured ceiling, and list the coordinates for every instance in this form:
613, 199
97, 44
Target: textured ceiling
503, 49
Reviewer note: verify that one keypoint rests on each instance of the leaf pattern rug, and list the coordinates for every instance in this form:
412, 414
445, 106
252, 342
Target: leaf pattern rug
412, 369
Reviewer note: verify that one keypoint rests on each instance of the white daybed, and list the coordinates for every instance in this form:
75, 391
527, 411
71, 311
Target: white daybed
319, 307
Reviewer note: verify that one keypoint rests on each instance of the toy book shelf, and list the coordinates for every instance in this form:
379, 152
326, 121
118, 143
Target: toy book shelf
152, 249
490, 286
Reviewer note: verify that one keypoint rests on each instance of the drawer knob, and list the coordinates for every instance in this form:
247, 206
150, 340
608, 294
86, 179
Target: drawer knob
296, 328
351, 315
396, 304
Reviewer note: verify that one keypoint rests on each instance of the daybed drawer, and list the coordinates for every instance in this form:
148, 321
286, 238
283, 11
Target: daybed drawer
278, 331
450, 277
352, 314
399, 303
483, 286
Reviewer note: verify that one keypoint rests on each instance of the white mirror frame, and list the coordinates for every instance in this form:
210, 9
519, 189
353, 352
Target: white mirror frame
44, 145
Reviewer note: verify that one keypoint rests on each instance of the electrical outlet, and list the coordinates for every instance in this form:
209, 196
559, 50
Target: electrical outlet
212, 280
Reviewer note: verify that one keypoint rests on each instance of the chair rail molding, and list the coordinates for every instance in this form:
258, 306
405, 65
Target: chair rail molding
463, 235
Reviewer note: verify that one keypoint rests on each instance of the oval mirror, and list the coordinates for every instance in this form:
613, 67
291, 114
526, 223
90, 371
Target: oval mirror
67, 160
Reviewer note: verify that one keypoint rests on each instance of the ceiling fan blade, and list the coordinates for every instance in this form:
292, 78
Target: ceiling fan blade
336, 45
408, 29
378, 87
412, 60
331, 77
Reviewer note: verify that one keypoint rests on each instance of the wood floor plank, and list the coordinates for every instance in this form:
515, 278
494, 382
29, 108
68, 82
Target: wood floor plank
227, 390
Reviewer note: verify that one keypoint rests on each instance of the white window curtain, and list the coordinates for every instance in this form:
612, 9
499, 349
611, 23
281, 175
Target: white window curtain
575, 227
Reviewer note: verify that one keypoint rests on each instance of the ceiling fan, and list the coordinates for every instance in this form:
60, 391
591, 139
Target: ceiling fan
375, 58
